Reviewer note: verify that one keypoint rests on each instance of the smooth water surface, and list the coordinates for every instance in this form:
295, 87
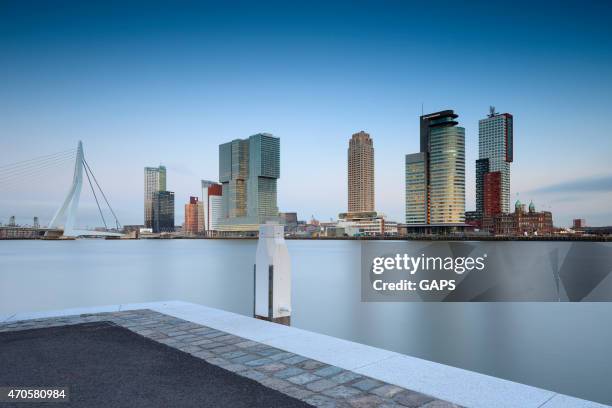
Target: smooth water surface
563, 347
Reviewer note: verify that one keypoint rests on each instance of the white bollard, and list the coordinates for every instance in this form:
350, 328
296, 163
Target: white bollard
272, 297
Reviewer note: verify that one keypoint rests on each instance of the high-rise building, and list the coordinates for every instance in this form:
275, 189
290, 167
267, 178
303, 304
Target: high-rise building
435, 177
194, 217
360, 173
154, 180
248, 171
163, 211
212, 204
417, 206
492, 193
495, 144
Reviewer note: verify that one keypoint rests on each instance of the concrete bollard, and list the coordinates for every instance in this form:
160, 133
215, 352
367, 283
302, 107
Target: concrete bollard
272, 280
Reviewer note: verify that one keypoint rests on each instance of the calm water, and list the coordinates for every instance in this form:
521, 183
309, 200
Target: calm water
563, 347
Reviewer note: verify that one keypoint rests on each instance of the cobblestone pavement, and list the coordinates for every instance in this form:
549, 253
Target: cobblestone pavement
316, 383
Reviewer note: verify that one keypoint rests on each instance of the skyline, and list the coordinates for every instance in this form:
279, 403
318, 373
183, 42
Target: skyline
144, 86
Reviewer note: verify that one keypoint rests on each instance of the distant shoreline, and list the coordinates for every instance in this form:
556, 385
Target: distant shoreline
411, 238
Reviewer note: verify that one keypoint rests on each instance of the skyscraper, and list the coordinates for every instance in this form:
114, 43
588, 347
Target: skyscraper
495, 144
163, 211
194, 216
248, 171
435, 177
212, 204
360, 173
154, 180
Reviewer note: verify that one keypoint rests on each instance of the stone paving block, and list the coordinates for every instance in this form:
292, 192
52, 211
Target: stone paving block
321, 401
245, 344
281, 356
412, 399
199, 341
210, 346
366, 384
387, 391
245, 359
275, 383
258, 362
235, 368
204, 354
190, 349
268, 352
294, 360
310, 364
320, 385
253, 375
217, 361
366, 401
272, 367
341, 391
303, 378
345, 377
232, 354
288, 372
297, 392
328, 371
222, 349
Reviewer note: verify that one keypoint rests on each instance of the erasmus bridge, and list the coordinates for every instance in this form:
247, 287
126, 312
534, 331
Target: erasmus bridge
64, 219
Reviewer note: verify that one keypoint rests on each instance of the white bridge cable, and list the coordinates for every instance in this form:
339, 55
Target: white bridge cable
94, 194
117, 224
35, 159
8, 179
26, 169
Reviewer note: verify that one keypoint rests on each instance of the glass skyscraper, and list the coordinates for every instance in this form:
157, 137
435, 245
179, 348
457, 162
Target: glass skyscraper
435, 177
495, 144
154, 180
248, 171
163, 211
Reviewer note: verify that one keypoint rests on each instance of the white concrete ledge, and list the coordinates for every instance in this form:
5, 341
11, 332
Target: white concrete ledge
463, 387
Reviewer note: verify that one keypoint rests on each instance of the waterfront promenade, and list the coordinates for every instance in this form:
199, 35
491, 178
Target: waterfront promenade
319, 370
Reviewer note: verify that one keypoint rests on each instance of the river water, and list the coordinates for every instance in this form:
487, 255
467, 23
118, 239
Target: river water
564, 347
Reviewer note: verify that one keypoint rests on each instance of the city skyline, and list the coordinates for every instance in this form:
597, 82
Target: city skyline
140, 96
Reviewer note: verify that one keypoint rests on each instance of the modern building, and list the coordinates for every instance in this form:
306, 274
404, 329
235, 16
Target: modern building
365, 225
579, 223
154, 181
492, 191
212, 203
495, 148
521, 222
248, 171
360, 173
194, 217
163, 211
435, 177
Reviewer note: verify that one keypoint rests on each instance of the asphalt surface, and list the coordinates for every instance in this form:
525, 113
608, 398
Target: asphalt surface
109, 366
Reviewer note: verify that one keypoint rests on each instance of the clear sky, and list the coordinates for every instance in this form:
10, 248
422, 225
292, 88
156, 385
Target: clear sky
144, 83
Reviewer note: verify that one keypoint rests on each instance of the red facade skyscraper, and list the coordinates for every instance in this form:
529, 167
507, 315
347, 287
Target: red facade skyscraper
492, 187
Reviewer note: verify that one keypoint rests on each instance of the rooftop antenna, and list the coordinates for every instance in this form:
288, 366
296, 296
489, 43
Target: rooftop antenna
422, 112
491, 111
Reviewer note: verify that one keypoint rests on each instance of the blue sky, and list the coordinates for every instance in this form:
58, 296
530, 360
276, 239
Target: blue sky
143, 83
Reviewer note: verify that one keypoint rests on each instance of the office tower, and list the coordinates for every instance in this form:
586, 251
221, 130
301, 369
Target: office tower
360, 173
194, 216
154, 180
163, 211
248, 171
416, 189
435, 177
495, 143
482, 168
212, 204
492, 193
